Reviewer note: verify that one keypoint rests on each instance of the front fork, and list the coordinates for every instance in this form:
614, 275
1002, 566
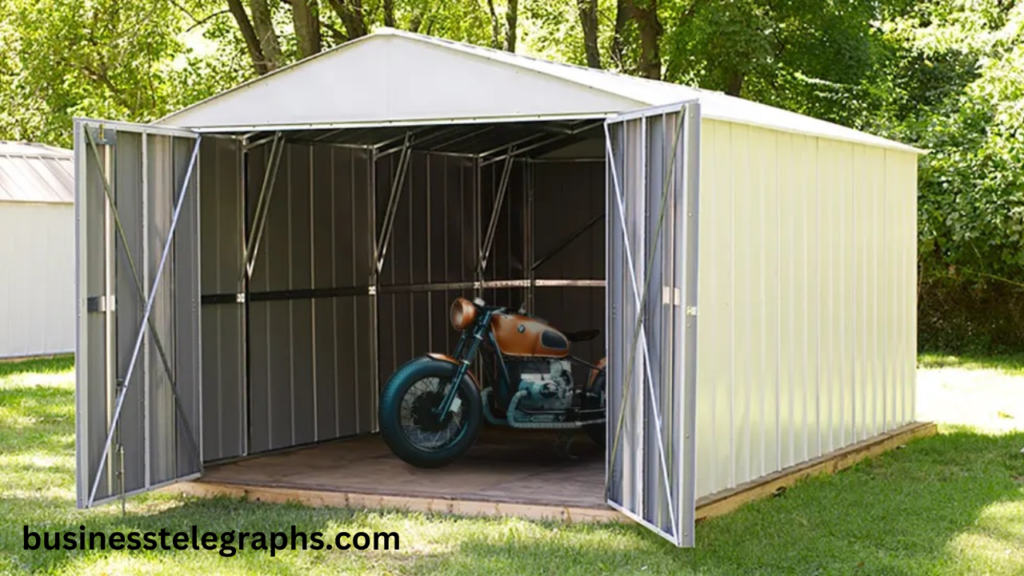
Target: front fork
465, 351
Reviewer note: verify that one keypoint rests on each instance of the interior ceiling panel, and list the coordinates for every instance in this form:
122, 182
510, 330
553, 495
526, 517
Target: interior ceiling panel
533, 139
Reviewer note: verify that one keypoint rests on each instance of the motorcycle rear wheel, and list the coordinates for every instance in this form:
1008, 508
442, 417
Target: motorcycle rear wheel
409, 428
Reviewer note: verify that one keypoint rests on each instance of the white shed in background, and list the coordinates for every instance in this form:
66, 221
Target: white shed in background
778, 332
37, 250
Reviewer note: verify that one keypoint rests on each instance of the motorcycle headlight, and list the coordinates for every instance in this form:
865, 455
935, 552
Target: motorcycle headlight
463, 313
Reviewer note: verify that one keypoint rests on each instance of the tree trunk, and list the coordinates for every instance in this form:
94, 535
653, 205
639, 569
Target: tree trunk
351, 14
252, 42
306, 16
389, 13
618, 40
734, 85
511, 21
645, 12
588, 20
264, 26
416, 21
495, 26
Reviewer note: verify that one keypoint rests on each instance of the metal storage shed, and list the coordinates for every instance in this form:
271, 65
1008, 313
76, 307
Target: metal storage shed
252, 266
37, 246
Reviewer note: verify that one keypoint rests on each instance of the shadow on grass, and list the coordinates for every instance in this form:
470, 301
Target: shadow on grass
1009, 363
897, 513
45, 365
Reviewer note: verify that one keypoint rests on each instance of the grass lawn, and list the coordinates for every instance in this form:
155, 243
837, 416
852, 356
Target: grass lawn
952, 504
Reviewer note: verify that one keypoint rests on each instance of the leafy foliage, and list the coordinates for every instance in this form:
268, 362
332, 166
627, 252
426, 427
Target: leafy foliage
945, 75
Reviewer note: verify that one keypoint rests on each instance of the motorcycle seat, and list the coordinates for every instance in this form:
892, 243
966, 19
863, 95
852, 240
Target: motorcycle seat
582, 335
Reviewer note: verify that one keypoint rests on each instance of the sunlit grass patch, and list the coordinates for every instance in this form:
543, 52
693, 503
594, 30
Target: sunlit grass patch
952, 504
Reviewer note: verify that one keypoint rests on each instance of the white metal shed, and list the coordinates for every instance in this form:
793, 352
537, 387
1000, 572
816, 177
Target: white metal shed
276, 250
37, 246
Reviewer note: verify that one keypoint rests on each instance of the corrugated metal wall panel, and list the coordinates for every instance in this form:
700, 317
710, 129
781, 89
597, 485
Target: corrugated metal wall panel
221, 251
311, 318
435, 240
37, 303
808, 314
566, 196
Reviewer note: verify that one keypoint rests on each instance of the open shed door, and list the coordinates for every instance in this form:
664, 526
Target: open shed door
137, 349
652, 181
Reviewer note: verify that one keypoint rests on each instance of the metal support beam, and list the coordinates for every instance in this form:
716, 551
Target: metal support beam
401, 138
568, 240
408, 139
145, 321
492, 226
262, 210
393, 202
462, 137
520, 150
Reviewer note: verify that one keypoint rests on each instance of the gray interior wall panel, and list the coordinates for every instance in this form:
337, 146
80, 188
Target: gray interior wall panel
506, 260
223, 333
568, 195
304, 406
311, 368
435, 232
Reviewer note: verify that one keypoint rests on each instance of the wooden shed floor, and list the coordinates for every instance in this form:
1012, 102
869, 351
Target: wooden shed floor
508, 473
505, 466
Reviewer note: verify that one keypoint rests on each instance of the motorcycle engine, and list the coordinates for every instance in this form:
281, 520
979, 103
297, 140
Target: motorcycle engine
548, 387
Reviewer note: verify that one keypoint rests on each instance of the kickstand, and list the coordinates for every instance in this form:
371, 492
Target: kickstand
563, 445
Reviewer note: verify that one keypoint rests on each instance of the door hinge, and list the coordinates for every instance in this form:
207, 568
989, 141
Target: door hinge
671, 296
100, 304
240, 298
102, 135
691, 311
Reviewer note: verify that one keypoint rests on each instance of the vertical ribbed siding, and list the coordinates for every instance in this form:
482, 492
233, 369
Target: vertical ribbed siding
807, 332
37, 302
311, 358
221, 251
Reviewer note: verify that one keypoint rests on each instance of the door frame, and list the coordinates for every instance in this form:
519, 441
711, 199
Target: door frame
85, 145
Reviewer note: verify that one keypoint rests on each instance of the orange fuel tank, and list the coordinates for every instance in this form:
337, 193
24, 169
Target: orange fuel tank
524, 336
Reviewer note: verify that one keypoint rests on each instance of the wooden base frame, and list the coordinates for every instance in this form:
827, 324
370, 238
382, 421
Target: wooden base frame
707, 507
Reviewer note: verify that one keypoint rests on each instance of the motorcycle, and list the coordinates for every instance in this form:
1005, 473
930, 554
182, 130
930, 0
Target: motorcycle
432, 407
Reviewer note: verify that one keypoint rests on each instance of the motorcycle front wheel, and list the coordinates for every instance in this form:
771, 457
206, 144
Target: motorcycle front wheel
408, 423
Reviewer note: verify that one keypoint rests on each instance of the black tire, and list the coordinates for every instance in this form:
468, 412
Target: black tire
595, 399
395, 423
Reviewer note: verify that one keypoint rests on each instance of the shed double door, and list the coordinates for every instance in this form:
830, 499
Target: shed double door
138, 334
652, 181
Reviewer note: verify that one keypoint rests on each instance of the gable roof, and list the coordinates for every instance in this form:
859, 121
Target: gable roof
35, 173
392, 77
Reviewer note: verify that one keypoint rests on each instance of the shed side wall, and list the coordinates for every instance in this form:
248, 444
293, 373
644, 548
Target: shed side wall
223, 330
37, 282
807, 314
